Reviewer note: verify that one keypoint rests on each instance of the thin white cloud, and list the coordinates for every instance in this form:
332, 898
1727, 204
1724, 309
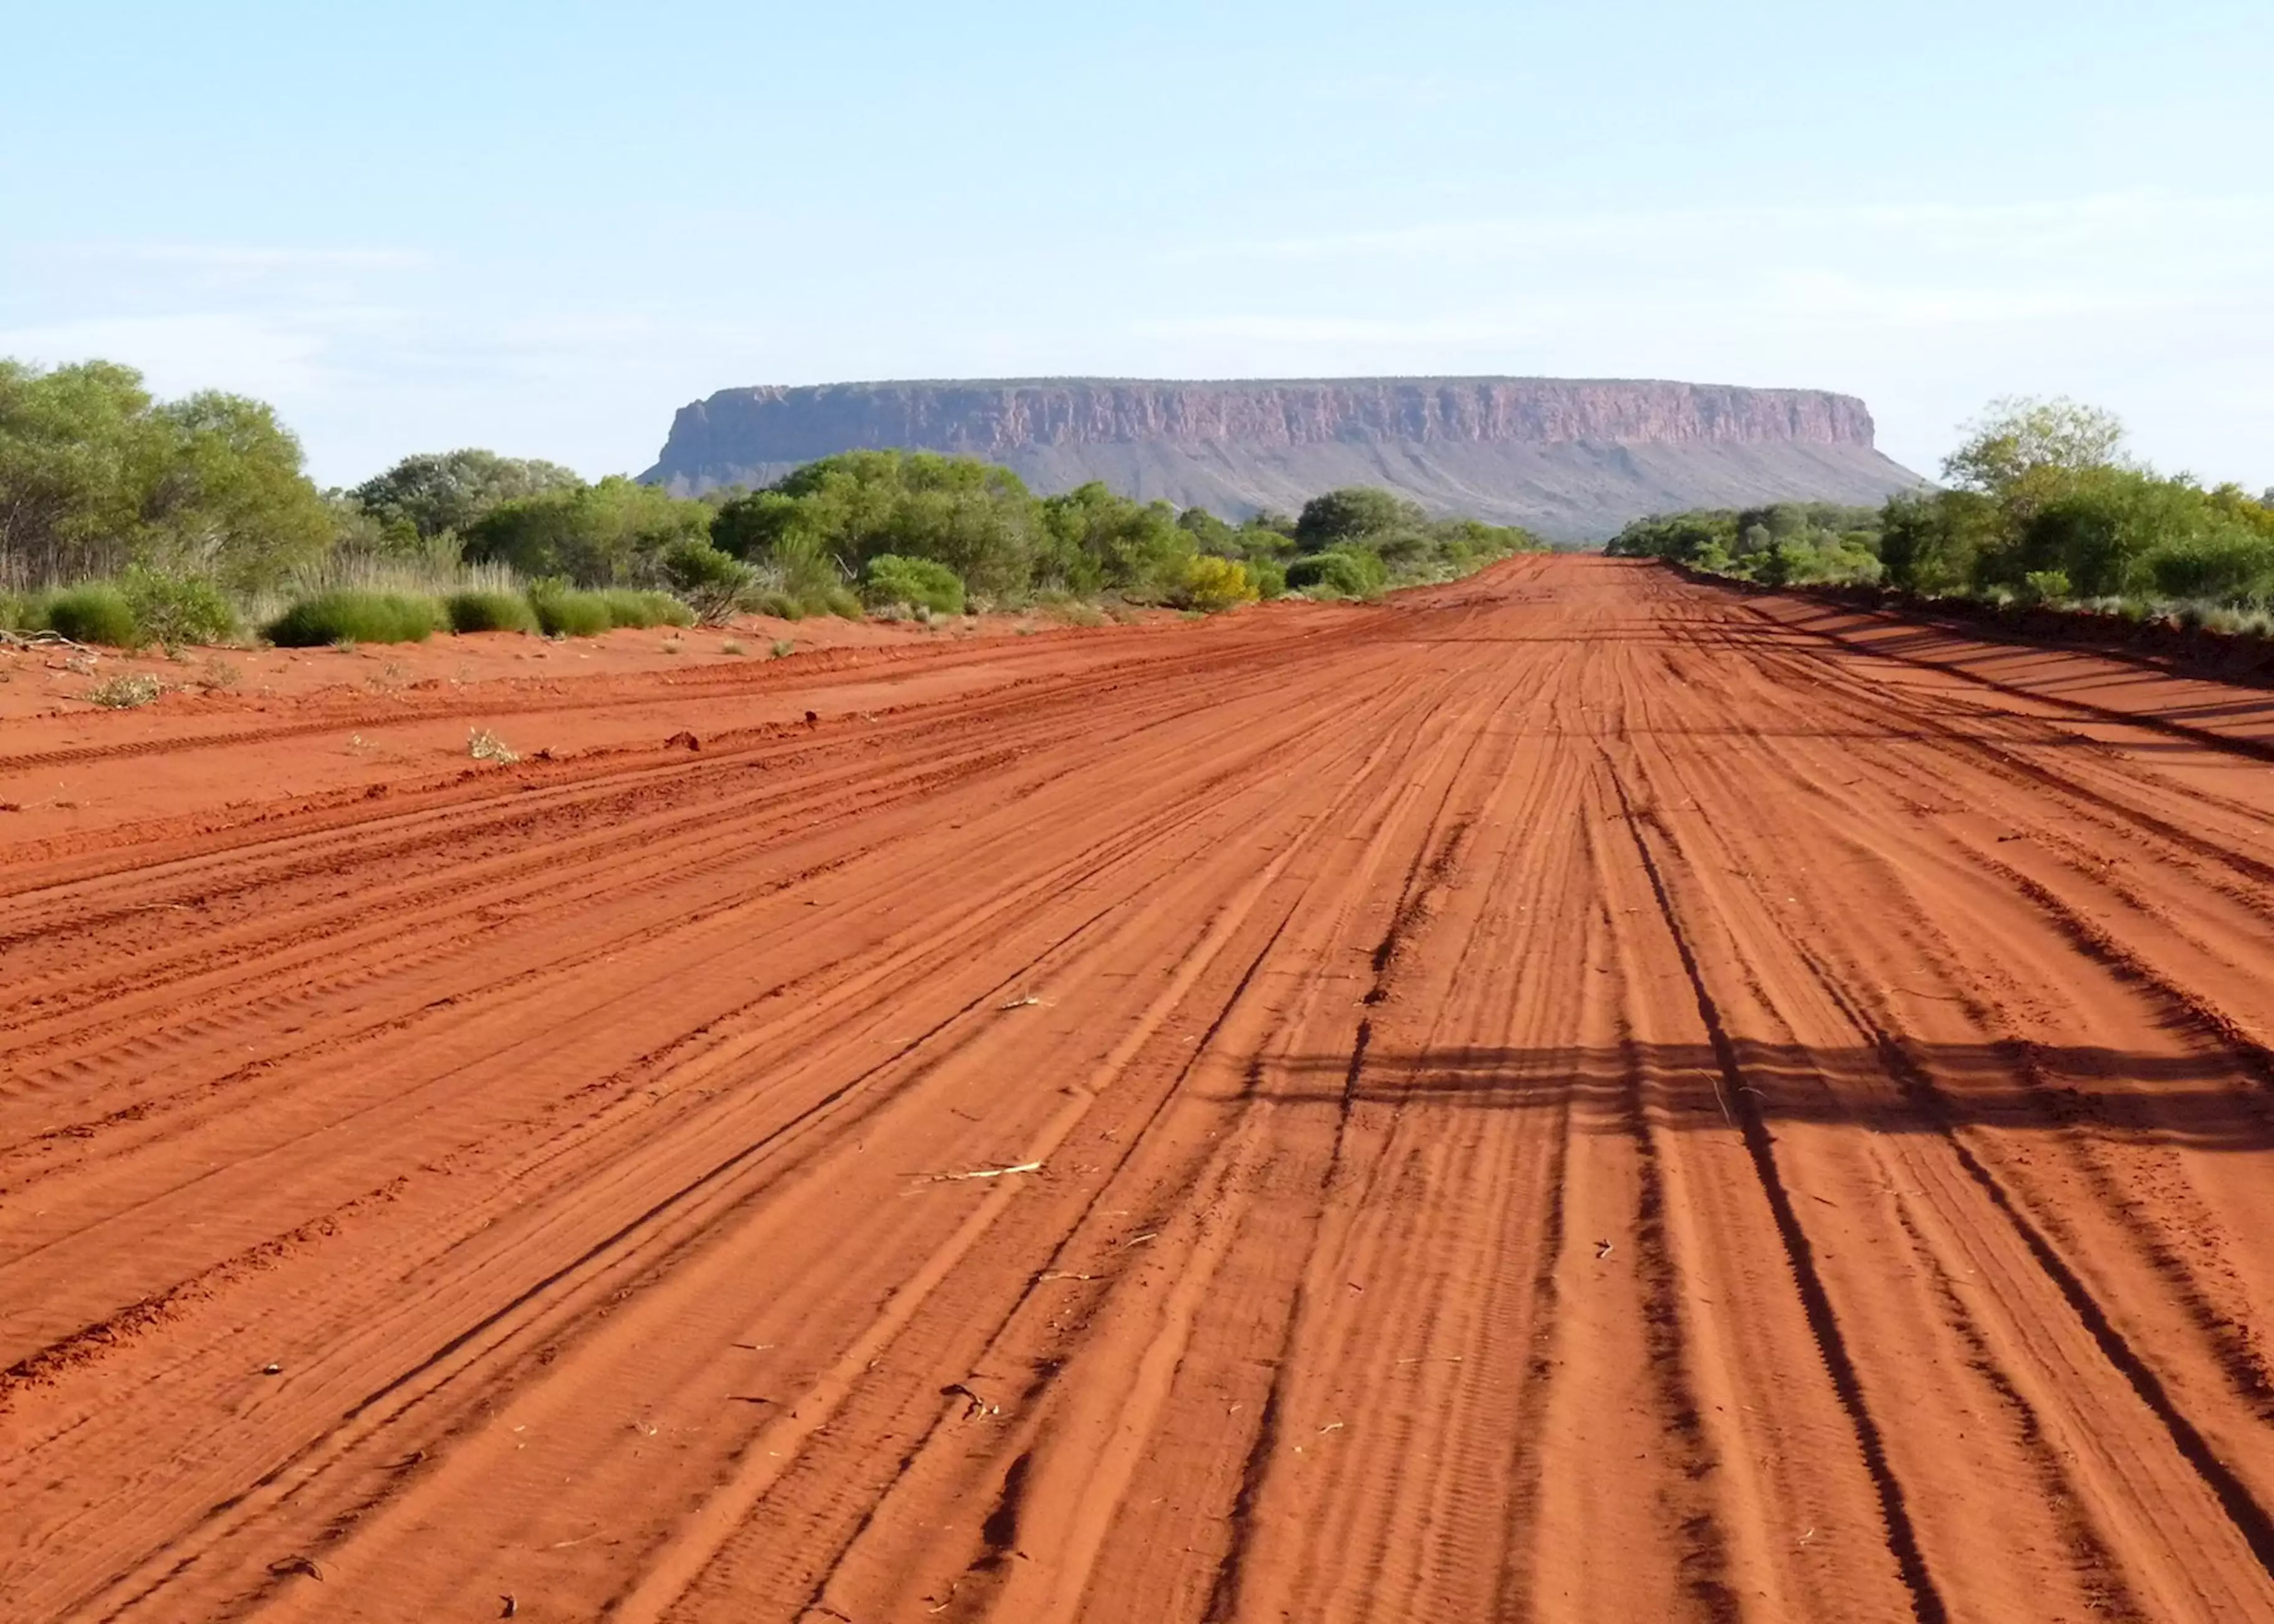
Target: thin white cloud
1827, 294
242, 257
280, 357
2017, 227
1338, 330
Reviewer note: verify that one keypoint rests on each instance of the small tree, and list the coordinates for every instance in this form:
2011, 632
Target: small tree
2025, 453
1354, 514
434, 492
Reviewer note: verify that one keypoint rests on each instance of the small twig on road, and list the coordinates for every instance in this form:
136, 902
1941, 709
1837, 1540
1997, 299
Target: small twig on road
1023, 1167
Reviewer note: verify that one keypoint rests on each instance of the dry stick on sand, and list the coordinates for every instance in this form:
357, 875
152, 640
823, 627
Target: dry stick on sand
40, 639
942, 1178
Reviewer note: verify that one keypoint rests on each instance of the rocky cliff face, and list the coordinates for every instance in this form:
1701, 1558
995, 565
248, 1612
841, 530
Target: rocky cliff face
1573, 458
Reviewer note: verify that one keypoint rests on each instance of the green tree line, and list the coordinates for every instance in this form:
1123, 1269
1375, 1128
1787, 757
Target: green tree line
2041, 503
101, 483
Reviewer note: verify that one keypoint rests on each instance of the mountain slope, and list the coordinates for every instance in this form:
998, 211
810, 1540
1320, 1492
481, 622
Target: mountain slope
1572, 459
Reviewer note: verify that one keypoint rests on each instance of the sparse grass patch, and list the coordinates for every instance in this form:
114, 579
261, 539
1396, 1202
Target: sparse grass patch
484, 610
483, 745
352, 615
128, 692
732, 647
1071, 612
783, 649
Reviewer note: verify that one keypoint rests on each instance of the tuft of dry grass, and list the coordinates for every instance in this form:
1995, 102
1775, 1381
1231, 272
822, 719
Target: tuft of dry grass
483, 745
127, 692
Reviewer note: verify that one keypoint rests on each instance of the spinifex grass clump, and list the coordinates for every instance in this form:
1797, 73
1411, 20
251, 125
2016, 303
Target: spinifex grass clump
96, 612
490, 612
645, 609
564, 612
349, 615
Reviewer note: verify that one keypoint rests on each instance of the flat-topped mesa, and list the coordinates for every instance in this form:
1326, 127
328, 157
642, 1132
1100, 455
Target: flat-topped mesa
1573, 458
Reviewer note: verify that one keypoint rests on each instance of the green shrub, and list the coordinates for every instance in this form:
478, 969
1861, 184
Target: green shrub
2044, 586
1269, 576
838, 601
713, 582
920, 584
96, 612
349, 615
564, 612
641, 610
18, 612
489, 611
176, 610
781, 605
1339, 572
2230, 568
1213, 584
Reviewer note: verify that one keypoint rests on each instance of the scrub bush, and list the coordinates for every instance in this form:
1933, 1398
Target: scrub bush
641, 610
564, 612
349, 615
96, 612
490, 612
176, 610
920, 584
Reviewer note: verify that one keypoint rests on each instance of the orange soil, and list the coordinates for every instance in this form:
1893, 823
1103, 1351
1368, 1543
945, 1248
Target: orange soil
1573, 1096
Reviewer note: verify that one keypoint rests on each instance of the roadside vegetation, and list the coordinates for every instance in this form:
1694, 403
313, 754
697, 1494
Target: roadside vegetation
130, 522
2041, 505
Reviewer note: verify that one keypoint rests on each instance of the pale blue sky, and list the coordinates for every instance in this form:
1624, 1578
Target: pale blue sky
544, 227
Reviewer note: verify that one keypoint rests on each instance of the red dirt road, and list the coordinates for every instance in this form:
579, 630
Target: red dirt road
1574, 1097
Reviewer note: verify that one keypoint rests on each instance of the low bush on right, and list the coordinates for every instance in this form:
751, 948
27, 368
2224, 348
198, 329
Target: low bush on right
351, 615
919, 583
490, 612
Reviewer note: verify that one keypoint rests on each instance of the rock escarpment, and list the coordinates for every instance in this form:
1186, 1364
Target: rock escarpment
1572, 459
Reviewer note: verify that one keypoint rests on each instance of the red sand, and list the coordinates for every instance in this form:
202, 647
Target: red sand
1570, 1096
